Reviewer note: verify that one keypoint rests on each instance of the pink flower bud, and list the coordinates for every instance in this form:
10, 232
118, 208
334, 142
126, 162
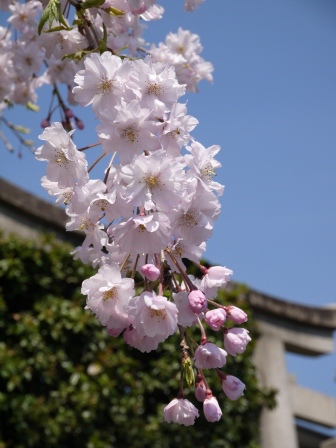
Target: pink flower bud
235, 314
216, 276
215, 318
209, 356
236, 340
211, 409
150, 271
69, 113
200, 390
79, 123
180, 411
197, 301
45, 123
233, 387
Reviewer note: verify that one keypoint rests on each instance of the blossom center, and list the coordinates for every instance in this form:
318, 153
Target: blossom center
86, 224
178, 250
130, 134
105, 85
188, 219
151, 181
102, 204
110, 294
154, 89
60, 158
23, 17
67, 197
158, 313
174, 133
208, 171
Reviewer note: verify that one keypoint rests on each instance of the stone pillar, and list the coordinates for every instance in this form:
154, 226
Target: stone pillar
277, 425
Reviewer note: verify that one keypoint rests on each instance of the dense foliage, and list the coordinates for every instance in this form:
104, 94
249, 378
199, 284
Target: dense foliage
65, 382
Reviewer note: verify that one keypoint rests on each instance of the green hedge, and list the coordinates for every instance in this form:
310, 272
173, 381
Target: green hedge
65, 383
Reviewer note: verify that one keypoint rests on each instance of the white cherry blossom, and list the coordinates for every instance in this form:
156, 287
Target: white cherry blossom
180, 411
108, 295
156, 181
153, 316
66, 165
102, 81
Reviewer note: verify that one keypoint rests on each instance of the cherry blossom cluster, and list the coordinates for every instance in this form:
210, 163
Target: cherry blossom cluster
182, 50
30, 59
156, 206
157, 201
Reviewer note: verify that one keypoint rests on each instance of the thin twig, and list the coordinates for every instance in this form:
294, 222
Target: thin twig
88, 147
95, 163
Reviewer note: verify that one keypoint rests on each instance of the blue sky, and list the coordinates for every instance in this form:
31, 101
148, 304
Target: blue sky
272, 109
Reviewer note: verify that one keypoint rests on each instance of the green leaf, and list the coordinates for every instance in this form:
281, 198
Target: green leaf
59, 28
113, 11
188, 372
53, 11
44, 18
79, 22
92, 4
79, 55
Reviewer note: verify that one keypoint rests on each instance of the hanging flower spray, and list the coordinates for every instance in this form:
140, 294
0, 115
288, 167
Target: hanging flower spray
157, 202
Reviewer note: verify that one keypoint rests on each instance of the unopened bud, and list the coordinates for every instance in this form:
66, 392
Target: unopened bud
236, 340
200, 390
69, 113
233, 387
235, 314
79, 123
45, 123
150, 271
197, 301
211, 409
215, 318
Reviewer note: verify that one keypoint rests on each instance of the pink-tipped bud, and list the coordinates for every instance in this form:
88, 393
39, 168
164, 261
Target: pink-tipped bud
235, 314
215, 318
236, 340
209, 356
69, 113
233, 387
79, 123
150, 271
211, 409
197, 301
200, 390
45, 123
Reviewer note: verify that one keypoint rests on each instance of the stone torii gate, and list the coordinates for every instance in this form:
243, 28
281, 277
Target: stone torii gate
284, 327
289, 327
